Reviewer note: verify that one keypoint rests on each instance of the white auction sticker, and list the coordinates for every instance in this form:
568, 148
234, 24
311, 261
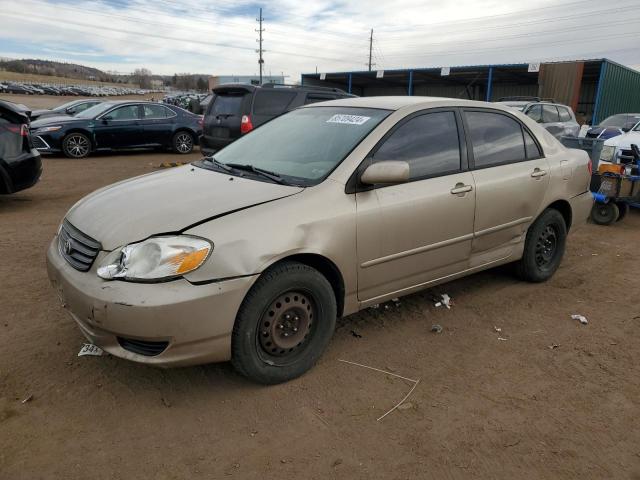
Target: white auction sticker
348, 119
89, 349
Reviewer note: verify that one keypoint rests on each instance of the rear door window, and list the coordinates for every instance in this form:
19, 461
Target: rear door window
550, 114
156, 112
565, 116
535, 113
533, 151
496, 138
272, 102
429, 143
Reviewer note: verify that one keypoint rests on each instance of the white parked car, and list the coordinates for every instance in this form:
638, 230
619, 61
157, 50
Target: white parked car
618, 149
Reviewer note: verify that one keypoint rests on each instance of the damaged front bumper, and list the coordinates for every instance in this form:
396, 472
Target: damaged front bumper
166, 324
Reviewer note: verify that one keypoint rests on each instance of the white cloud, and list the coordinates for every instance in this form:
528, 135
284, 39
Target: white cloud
328, 34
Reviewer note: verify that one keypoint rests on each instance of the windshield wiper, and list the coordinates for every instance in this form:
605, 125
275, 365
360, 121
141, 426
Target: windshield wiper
259, 171
218, 163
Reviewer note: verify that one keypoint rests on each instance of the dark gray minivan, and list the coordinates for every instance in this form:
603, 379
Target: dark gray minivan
237, 109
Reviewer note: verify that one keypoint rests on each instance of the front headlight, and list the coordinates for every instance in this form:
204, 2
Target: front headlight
157, 258
48, 129
607, 153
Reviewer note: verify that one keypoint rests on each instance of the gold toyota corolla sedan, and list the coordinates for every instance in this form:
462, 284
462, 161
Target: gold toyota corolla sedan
252, 254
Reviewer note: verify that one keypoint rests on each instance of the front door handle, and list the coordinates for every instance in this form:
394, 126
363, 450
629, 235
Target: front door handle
537, 173
460, 189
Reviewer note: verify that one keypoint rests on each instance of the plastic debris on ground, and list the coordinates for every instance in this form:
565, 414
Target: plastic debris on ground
446, 301
582, 319
355, 334
436, 328
90, 349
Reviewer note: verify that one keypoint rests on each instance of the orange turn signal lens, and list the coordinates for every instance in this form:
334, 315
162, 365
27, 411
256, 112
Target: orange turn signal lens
187, 262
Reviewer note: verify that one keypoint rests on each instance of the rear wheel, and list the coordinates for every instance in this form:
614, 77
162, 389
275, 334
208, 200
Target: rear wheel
183, 142
76, 145
605, 213
284, 324
543, 248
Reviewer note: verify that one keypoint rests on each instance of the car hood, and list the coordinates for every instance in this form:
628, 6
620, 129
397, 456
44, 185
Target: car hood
625, 140
167, 202
55, 120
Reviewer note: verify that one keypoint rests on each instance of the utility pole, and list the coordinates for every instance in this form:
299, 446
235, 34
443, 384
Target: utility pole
260, 51
370, 48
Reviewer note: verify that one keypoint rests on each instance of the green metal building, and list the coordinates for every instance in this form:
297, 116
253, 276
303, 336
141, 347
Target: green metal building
594, 89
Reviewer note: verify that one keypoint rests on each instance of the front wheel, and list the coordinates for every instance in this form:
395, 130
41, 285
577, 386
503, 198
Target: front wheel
76, 145
544, 247
183, 142
284, 324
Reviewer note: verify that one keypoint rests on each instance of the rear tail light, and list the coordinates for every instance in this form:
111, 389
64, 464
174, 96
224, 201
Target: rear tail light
245, 125
22, 130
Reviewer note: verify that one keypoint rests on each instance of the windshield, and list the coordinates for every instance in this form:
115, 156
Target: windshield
305, 145
620, 121
95, 110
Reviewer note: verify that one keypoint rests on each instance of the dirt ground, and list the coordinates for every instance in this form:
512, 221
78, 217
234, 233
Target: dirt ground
484, 408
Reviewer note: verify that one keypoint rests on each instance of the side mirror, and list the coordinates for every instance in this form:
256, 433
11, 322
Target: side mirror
106, 119
70, 110
626, 129
388, 172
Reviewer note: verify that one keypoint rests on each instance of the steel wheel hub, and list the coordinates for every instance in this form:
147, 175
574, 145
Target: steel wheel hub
546, 246
286, 324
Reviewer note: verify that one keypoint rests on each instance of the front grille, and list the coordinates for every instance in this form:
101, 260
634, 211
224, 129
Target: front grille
39, 143
78, 249
143, 347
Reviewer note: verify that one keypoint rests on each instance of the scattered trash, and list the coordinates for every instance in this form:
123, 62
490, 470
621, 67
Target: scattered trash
436, 328
554, 346
90, 349
28, 399
503, 339
415, 384
582, 319
253, 433
406, 406
446, 301
594, 254
355, 334
336, 462
497, 329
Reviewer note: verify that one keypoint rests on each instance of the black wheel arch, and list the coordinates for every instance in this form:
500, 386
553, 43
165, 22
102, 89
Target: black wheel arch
564, 208
83, 131
327, 268
6, 185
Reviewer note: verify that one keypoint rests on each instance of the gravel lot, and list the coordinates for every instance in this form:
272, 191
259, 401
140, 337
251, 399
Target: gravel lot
484, 407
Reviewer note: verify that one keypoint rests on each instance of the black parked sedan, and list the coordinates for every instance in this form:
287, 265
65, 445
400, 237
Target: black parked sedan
20, 165
70, 108
118, 125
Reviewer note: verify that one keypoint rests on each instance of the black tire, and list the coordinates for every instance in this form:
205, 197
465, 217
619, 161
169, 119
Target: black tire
183, 142
271, 320
623, 209
544, 247
76, 145
605, 213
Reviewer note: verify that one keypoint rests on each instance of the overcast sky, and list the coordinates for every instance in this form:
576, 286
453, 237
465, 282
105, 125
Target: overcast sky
330, 35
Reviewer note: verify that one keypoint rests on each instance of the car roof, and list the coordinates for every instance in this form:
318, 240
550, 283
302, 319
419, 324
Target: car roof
401, 102
15, 108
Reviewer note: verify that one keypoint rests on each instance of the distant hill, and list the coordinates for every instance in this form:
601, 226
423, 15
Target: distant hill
56, 69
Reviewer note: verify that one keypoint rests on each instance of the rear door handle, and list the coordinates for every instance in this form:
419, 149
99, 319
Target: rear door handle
461, 188
537, 173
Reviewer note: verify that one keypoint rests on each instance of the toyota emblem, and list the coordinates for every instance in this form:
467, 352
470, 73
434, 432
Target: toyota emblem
67, 247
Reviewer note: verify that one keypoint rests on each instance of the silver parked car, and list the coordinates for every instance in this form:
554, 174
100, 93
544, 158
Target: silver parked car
558, 119
251, 255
